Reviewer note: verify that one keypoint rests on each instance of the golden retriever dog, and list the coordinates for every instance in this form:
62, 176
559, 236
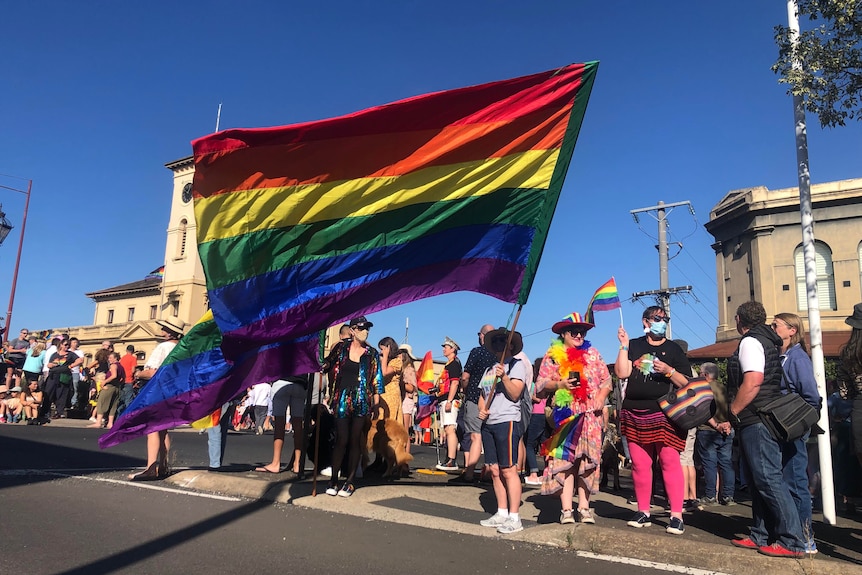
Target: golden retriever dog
389, 439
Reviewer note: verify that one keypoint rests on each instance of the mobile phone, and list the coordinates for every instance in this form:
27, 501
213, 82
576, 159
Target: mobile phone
575, 375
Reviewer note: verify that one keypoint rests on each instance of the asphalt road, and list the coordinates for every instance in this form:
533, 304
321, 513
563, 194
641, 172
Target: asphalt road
91, 521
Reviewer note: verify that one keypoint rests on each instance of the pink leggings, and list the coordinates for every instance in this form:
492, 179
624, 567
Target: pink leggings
671, 470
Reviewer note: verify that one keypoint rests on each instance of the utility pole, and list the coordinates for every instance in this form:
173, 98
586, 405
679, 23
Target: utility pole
664, 292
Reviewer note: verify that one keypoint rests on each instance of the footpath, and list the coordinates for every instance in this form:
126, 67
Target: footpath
428, 498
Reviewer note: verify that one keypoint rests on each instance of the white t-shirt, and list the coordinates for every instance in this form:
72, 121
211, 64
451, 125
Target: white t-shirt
751, 355
159, 354
79, 353
259, 394
48, 353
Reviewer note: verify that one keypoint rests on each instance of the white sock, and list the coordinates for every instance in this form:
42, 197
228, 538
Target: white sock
514, 517
503, 512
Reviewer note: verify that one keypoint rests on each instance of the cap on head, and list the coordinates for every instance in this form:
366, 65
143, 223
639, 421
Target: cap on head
451, 343
361, 322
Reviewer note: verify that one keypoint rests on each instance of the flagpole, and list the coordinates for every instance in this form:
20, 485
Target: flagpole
317, 425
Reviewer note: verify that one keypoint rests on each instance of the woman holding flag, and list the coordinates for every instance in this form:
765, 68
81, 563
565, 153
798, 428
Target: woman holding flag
575, 376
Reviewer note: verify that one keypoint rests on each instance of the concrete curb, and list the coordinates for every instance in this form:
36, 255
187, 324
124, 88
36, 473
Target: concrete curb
649, 544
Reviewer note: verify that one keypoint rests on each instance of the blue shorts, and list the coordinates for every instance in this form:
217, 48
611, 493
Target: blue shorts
500, 441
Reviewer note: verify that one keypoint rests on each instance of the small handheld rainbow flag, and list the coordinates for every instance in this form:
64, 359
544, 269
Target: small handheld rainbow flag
427, 401
606, 298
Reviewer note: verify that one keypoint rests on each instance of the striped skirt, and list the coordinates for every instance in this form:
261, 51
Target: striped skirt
643, 427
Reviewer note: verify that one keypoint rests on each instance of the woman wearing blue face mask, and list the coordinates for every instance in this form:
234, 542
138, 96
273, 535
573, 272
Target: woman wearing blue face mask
651, 364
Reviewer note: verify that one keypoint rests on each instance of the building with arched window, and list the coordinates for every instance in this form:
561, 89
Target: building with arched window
759, 256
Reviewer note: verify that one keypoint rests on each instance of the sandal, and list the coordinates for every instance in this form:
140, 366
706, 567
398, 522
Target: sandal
151, 473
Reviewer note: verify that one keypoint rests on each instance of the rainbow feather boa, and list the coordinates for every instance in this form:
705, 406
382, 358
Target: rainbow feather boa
570, 359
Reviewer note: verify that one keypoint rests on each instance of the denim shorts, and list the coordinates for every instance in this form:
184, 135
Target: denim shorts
500, 441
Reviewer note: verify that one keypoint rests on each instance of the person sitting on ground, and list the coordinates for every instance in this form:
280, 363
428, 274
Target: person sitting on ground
32, 401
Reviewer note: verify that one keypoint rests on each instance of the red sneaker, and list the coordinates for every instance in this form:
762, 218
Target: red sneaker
745, 543
777, 550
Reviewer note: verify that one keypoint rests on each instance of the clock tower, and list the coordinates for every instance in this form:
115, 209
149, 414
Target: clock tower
184, 292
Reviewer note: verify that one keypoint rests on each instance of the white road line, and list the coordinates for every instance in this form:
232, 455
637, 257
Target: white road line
126, 483
648, 564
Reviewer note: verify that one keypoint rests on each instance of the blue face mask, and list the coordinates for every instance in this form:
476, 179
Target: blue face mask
658, 328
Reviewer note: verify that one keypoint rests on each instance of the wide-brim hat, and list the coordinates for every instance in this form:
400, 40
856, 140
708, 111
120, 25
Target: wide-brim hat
172, 324
571, 321
3, 389
409, 349
855, 320
517, 341
15, 389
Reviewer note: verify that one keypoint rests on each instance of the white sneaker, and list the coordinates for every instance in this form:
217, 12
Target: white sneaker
496, 520
331, 490
511, 525
586, 516
326, 472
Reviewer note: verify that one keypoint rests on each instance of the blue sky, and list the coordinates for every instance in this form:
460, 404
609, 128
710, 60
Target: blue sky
96, 96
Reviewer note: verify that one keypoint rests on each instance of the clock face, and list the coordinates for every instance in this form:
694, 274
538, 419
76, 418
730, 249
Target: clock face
187, 193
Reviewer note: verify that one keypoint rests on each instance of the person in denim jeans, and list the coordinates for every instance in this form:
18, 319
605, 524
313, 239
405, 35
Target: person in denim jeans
754, 373
715, 445
798, 378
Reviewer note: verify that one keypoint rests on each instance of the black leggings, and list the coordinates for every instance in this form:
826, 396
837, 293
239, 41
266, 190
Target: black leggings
347, 429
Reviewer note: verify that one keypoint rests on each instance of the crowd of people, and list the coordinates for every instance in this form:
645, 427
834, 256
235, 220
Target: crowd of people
45, 378
538, 424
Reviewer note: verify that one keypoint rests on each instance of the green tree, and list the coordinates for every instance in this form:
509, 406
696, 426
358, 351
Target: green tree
829, 79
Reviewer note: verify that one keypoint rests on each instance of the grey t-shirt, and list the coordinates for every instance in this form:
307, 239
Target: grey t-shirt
502, 409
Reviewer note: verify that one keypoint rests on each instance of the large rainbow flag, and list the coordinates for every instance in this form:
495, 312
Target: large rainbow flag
195, 379
304, 226
606, 298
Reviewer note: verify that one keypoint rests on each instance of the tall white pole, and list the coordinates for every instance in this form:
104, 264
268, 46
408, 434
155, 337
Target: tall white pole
218, 116
824, 446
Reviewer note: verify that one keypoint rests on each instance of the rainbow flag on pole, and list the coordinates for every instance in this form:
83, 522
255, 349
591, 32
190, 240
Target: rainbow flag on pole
301, 227
195, 379
426, 401
606, 298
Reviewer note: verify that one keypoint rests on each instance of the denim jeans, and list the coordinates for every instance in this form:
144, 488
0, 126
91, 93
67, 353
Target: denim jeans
774, 514
534, 435
217, 436
794, 460
715, 451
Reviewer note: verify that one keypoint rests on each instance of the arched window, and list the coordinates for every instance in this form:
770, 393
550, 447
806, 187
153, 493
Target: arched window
825, 277
181, 238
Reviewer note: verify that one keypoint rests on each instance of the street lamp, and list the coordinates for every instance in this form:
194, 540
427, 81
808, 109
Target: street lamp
5, 228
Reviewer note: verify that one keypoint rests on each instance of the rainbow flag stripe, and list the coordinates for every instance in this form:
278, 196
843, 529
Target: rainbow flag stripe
606, 298
303, 226
195, 379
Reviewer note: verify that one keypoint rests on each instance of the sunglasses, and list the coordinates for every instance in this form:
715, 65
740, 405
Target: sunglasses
361, 327
577, 332
656, 318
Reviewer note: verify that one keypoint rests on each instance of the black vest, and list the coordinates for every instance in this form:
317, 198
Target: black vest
771, 387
